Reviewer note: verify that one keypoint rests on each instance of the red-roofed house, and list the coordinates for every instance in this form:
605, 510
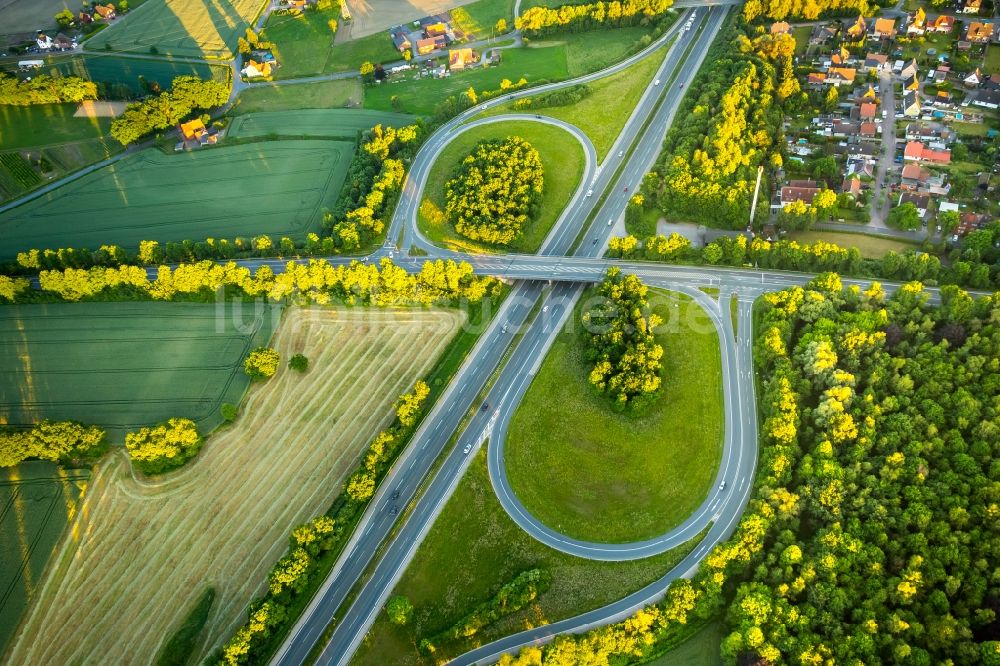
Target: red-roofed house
979, 33
868, 130
837, 75
941, 24
920, 153
885, 28
798, 190
868, 110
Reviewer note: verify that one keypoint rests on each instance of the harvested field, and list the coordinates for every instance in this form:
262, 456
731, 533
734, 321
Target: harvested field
371, 16
26, 16
331, 123
193, 28
271, 187
37, 500
140, 553
97, 109
124, 365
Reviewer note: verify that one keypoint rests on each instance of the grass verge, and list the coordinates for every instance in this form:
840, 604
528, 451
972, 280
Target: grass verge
599, 475
562, 161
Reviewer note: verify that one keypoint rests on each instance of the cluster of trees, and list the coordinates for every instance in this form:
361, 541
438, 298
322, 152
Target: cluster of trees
658, 247
438, 281
308, 543
186, 94
44, 89
12, 288
495, 190
808, 10
541, 20
58, 441
627, 360
512, 597
399, 610
165, 446
262, 363
373, 181
561, 97
872, 532
729, 125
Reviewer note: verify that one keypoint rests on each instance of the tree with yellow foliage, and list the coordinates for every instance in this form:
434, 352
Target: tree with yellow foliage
163, 447
261, 363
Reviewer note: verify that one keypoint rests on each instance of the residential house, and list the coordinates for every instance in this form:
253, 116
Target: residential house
942, 24
85, 18
869, 110
911, 104
860, 167
64, 43
918, 152
973, 79
843, 128
255, 70
43, 41
838, 75
921, 201
918, 132
798, 190
780, 28
106, 12
943, 98
816, 79
852, 186
914, 176
979, 33
459, 59
870, 94
941, 73
840, 58
917, 23
857, 30
868, 131
823, 33
910, 83
909, 70
429, 45
876, 62
969, 222
401, 40
971, 6
992, 82
987, 99
195, 131
435, 30
885, 28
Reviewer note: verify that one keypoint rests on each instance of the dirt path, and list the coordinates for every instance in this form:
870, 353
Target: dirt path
139, 554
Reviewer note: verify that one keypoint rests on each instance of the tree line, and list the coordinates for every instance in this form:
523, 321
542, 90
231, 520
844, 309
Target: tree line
157, 112
318, 281
45, 89
58, 441
620, 343
312, 546
495, 191
872, 529
541, 20
808, 10
561, 97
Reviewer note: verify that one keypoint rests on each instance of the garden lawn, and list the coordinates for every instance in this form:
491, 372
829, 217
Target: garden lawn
603, 113
320, 95
112, 69
992, 63
562, 162
272, 187
801, 35
124, 365
421, 95
151, 547
472, 549
37, 500
871, 247
192, 28
46, 124
331, 123
596, 474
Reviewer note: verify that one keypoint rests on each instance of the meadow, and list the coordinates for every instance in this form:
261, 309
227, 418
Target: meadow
597, 474
193, 28
339, 93
150, 548
37, 501
329, 123
271, 187
124, 365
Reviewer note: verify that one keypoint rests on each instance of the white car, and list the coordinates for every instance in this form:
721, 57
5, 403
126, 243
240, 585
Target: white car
656, 82
465, 451
722, 486
590, 193
610, 222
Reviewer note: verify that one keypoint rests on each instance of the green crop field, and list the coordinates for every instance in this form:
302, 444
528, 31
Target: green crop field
702, 649
45, 124
332, 123
37, 500
194, 28
596, 474
271, 187
321, 95
562, 161
472, 549
122, 365
110, 68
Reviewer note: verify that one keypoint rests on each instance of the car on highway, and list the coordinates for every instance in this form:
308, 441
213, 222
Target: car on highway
395, 494
722, 486
620, 153
682, 85
545, 309
485, 406
465, 451
656, 82
590, 193
393, 511
610, 222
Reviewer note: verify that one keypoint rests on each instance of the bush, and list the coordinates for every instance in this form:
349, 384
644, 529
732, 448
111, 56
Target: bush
228, 411
261, 363
299, 363
163, 447
400, 610
179, 647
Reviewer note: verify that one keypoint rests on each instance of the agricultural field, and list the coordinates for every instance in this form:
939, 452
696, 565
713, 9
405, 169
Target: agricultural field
702, 649
478, 19
124, 365
472, 549
330, 123
192, 28
596, 474
46, 124
603, 113
115, 71
375, 16
335, 94
21, 16
271, 187
871, 247
225, 517
37, 501
562, 162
